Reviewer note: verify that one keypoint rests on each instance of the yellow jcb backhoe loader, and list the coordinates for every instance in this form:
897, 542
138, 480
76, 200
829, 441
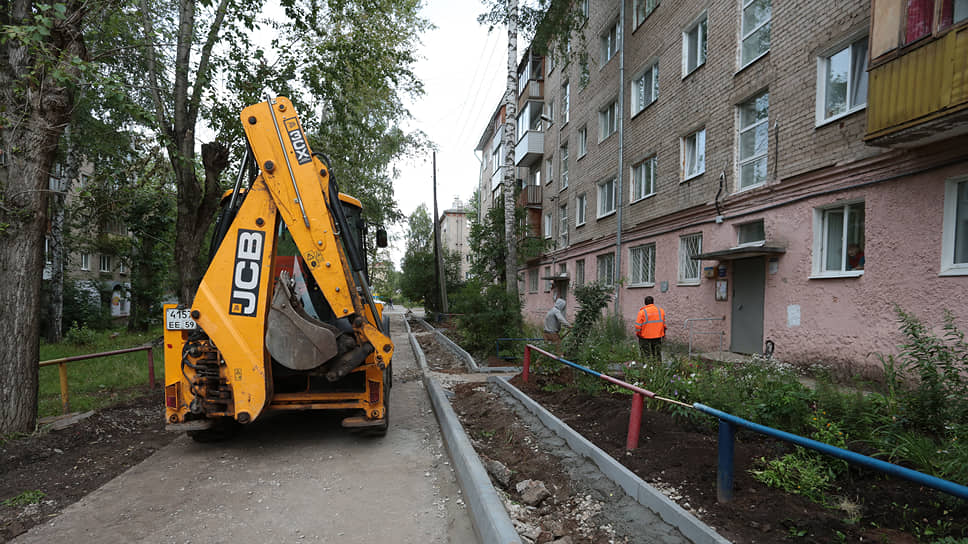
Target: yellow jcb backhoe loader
267, 331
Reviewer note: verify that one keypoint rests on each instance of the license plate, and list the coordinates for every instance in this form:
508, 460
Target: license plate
179, 320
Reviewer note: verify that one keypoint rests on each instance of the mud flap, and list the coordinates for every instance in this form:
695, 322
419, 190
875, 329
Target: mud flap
293, 338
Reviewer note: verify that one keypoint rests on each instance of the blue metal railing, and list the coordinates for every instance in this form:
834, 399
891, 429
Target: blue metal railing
727, 432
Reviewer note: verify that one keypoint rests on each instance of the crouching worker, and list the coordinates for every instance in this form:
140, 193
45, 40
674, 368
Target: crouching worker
553, 322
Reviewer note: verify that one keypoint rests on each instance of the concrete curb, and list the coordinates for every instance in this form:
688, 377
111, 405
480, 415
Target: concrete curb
490, 519
646, 495
464, 356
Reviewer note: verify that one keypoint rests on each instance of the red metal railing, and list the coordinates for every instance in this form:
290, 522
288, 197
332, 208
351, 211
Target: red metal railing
61, 363
638, 394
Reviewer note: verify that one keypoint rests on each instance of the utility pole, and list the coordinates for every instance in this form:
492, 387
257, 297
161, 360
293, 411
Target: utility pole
438, 258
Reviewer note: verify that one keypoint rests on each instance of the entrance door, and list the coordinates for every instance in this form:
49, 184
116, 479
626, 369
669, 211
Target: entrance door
749, 282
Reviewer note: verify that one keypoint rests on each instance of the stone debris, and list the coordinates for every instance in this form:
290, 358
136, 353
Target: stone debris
532, 492
498, 471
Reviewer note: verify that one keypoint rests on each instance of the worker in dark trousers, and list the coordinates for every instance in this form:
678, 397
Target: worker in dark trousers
650, 328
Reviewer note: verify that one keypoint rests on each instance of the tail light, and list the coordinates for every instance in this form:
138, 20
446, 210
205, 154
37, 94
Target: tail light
374, 392
171, 396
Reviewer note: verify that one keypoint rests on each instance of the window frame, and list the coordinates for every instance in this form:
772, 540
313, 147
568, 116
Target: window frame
580, 272
743, 162
653, 161
760, 242
744, 35
609, 40
563, 225
823, 61
85, 261
607, 118
648, 275
686, 258
645, 11
548, 222
683, 174
565, 103
949, 228
104, 263
602, 258
581, 209
599, 208
820, 229
653, 70
582, 141
700, 22
550, 168
548, 282
563, 167
533, 280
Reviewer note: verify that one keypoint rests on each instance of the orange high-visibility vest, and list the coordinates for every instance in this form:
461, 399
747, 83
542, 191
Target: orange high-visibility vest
650, 322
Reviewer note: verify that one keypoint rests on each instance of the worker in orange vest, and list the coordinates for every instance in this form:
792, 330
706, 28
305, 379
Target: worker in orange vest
650, 327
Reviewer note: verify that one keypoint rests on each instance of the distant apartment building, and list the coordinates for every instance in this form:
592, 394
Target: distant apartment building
775, 172
102, 273
454, 232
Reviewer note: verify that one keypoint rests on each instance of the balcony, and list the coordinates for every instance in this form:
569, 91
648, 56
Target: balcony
530, 197
920, 94
530, 148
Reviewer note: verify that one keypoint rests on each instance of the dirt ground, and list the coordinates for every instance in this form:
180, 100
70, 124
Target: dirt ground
888, 509
67, 464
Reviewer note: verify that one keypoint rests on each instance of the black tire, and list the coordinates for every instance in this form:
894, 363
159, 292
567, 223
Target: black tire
224, 428
386, 325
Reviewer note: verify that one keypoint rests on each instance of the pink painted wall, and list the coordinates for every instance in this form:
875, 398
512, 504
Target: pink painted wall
842, 320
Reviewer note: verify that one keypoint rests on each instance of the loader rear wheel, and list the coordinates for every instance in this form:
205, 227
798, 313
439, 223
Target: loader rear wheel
223, 428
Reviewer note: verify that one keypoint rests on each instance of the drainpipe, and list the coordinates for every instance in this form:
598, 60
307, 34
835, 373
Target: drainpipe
619, 190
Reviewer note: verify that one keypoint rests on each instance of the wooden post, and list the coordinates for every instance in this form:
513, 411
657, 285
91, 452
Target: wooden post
65, 400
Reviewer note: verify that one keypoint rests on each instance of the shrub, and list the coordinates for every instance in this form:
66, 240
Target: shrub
592, 299
80, 335
489, 312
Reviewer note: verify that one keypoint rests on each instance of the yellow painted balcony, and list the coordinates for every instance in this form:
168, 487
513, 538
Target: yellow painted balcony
920, 96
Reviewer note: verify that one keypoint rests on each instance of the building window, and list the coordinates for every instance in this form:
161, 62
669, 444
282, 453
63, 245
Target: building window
563, 226
550, 167
645, 88
583, 75
606, 197
953, 11
750, 233
580, 204
48, 258
550, 112
105, 263
642, 264
920, 15
608, 120
533, 280
547, 225
606, 268
564, 166
580, 272
643, 179
582, 141
694, 46
609, 40
583, 7
547, 273
842, 81
693, 154
756, 30
839, 240
642, 9
121, 268
753, 141
565, 103
689, 246
954, 238
85, 261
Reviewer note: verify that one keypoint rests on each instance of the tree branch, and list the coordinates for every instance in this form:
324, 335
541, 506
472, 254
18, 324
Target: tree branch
201, 76
160, 114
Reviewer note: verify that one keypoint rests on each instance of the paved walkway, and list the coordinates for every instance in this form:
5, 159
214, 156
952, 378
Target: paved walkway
290, 477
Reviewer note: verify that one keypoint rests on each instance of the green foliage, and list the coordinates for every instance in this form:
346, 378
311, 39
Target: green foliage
32, 496
807, 472
418, 278
489, 251
489, 312
606, 343
592, 299
80, 335
83, 304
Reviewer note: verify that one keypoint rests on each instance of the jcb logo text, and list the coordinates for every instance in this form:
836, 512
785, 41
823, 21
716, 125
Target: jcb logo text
247, 275
299, 145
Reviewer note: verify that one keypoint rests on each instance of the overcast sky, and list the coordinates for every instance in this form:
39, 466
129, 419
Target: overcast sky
463, 70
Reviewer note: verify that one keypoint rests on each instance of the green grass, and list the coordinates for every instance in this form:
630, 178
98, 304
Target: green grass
96, 383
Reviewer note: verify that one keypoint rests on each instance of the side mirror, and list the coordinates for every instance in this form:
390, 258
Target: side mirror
381, 237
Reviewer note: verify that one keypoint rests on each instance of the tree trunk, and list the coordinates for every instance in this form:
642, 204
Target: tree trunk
58, 247
510, 123
37, 109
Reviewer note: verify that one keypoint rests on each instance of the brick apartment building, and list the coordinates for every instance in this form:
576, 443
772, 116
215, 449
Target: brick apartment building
785, 172
454, 233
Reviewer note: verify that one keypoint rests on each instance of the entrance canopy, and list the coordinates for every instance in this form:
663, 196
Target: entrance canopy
741, 252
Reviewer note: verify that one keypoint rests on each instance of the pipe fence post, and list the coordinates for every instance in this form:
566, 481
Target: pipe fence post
151, 368
635, 421
526, 367
724, 471
65, 400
